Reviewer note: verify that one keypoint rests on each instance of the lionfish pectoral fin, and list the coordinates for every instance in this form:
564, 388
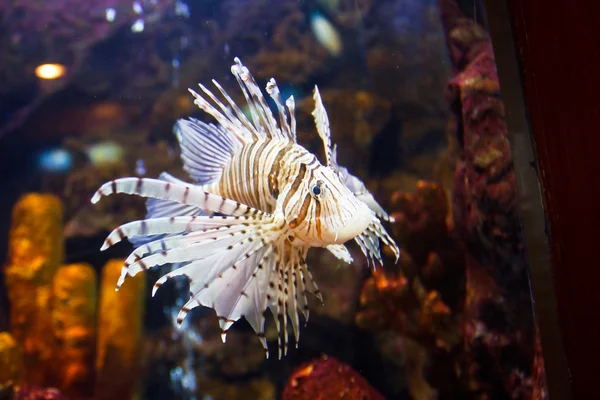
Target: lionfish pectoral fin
205, 149
181, 232
341, 252
368, 241
228, 266
322, 124
175, 192
157, 208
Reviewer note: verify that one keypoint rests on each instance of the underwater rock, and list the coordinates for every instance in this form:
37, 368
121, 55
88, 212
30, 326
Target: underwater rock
339, 284
538, 381
219, 389
463, 35
74, 322
415, 330
193, 361
37, 32
34, 255
119, 334
420, 218
10, 360
37, 393
486, 212
292, 54
328, 378
382, 299
499, 324
137, 157
414, 308
425, 230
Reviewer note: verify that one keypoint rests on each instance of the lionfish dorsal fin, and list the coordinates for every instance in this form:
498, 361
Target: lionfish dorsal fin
288, 130
205, 149
334, 155
236, 126
291, 106
322, 124
261, 114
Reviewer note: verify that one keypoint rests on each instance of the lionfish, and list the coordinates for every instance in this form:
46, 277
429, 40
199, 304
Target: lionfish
242, 231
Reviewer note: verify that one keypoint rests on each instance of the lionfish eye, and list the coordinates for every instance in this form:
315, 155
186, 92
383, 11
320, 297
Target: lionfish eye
317, 188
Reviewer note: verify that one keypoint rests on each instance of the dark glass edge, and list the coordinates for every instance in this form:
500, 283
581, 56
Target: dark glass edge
530, 199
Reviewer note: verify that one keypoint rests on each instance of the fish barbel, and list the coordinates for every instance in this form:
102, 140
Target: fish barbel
259, 202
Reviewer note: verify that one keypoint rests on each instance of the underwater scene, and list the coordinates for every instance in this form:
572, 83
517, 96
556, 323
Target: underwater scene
259, 199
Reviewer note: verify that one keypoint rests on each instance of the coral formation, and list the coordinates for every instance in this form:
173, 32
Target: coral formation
53, 315
414, 307
10, 360
328, 378
74, 323
35, 253
119, 334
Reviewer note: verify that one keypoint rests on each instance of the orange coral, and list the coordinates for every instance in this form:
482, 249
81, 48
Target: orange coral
74, 322
393, 301
35, 253
119, 334
328, 379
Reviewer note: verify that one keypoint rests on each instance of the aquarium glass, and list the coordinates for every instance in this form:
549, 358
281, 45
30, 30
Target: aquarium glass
368, 192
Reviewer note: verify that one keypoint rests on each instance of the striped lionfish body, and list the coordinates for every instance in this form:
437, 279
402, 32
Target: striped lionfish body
259, 202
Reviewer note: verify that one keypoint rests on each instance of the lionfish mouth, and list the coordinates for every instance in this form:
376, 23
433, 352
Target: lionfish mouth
359, 222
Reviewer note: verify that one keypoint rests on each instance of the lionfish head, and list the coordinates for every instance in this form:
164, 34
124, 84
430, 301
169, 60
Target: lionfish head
325, 211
